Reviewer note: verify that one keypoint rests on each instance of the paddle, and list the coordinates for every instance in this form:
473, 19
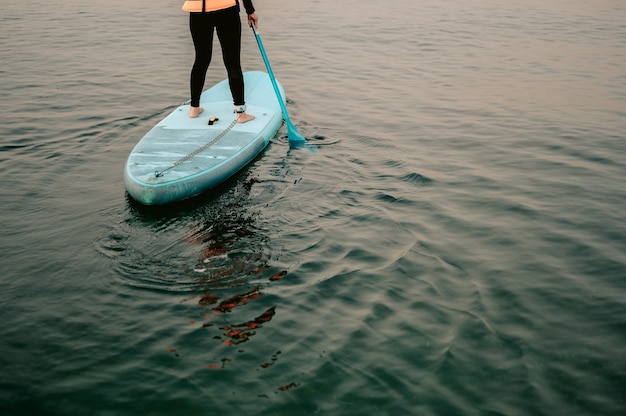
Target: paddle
295, 137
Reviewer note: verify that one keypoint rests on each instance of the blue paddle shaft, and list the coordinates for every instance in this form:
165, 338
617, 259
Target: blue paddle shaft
294, 134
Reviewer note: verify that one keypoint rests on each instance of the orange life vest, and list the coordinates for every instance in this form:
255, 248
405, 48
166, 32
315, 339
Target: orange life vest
208, 5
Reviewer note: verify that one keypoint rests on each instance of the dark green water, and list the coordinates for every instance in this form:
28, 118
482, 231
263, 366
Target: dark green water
457, 246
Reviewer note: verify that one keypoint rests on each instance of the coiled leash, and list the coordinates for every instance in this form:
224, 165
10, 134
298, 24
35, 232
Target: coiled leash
158, 174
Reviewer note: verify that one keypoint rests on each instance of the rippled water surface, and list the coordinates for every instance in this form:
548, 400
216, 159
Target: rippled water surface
457, 244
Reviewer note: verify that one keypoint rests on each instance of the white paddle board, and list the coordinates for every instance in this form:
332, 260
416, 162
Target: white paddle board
182, 157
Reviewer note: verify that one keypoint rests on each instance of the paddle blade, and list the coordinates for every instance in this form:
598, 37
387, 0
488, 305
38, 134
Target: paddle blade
295, 137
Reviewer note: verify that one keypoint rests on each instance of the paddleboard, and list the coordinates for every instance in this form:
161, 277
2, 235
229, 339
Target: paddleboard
181, 157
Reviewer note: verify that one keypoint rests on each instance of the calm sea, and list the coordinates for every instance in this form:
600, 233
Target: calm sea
456, 246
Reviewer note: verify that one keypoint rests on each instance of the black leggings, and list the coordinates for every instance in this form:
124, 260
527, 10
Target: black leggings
228, 25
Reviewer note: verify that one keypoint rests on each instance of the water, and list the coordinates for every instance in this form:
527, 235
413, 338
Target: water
456, 246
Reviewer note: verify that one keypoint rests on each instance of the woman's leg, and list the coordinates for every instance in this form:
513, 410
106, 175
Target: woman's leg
201, 27
229, 34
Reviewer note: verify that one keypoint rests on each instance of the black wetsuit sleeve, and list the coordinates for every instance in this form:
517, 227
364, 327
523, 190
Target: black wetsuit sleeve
248, 6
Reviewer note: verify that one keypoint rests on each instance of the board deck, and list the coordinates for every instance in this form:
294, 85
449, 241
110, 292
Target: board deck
153, 174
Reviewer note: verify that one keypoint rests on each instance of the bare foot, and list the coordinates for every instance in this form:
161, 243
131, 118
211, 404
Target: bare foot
244, 117
194, 112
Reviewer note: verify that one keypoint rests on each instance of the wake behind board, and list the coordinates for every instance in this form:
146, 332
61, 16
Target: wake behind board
182, 157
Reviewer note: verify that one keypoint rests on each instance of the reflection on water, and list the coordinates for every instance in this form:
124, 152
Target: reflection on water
231, 334
213, 248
